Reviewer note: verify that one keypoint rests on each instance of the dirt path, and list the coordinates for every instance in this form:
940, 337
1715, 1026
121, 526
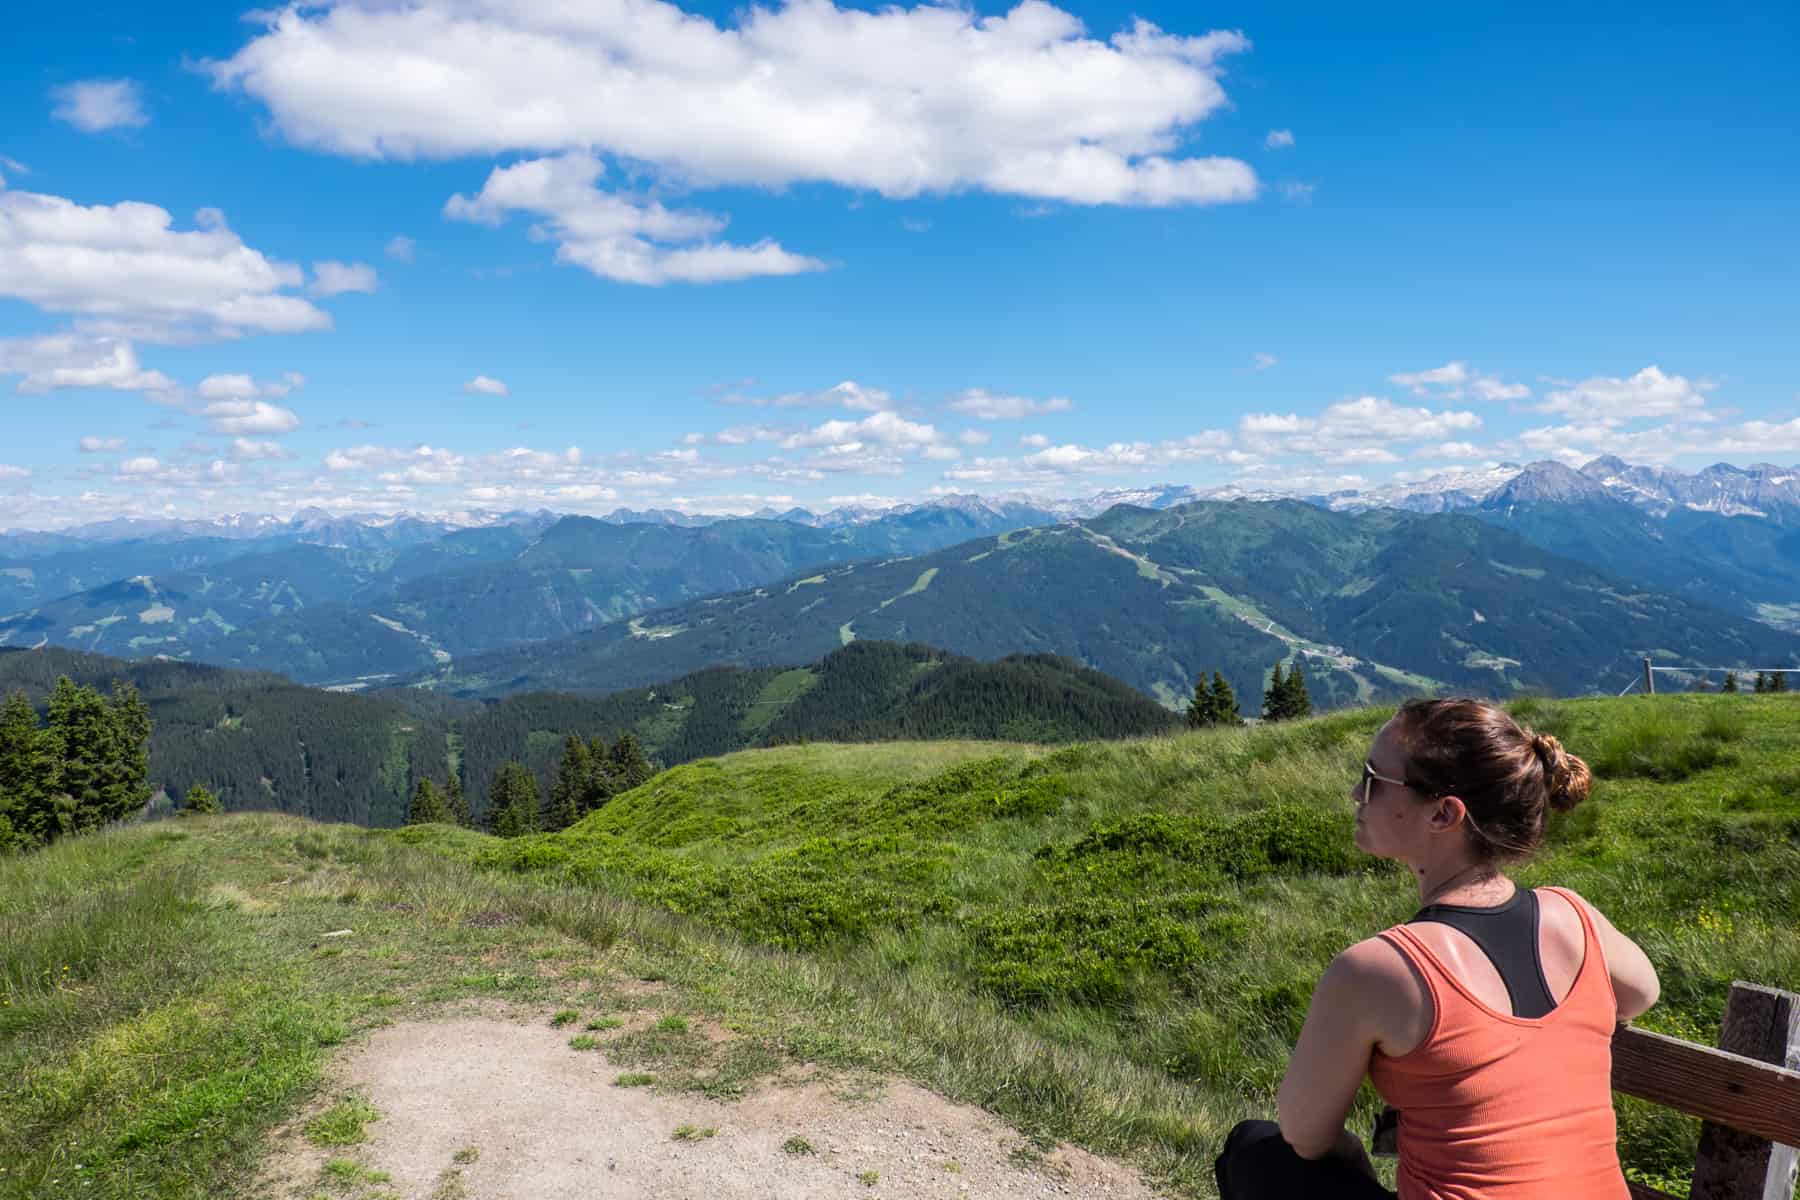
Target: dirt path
547, 1123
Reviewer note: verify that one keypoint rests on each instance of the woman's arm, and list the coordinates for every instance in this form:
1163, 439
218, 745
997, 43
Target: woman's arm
1634, 980
1332, 1056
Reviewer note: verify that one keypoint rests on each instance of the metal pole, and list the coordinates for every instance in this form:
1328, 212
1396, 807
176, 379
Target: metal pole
1649, 678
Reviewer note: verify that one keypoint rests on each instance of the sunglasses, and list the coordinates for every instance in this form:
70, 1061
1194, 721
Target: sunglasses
1363, 786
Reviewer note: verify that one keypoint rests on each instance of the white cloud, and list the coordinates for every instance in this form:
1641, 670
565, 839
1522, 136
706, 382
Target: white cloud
95, 105
335, 278
250, 450
1279, 139
1036, 441
897, 101
1262, 362
974, 437
1358, 431
139, 466
1452, 374
123, 266
1297, 191
401, 248
942, 453
884, 428
243, 387
64, 360
1649, 393
1456, 379
984, 405
1051, 462
100, 445
848, 394
249, 417
615, 236
8, 471
1450, 450
485, 386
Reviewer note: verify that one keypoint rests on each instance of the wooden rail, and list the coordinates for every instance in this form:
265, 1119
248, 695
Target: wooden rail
1747, 1093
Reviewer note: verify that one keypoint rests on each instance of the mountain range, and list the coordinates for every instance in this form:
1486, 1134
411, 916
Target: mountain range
360, 602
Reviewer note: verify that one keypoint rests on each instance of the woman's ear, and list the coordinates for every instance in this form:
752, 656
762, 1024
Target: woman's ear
1448, 814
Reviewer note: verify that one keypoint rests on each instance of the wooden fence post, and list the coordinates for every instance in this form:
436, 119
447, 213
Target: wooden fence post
1649, 678
1761, 1023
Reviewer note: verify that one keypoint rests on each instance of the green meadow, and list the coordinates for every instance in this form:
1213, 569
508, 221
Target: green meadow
1109, 943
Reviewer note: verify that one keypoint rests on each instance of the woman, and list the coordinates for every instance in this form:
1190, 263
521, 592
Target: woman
1487, 1019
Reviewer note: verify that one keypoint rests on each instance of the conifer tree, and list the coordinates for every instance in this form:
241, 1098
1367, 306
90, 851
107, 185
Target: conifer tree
1299, 699
1202, 709
29, 776
573, 779
1730, 684
427, 805
1224, 702
629, 766
1762, 683
200, 799
1778, 681
1275, 696
456, 805
129, 785
513, 801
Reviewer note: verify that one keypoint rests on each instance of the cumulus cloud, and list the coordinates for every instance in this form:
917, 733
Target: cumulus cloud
974, 437
8, 471
1052, 462
401, 248
250, 450
243, 387
984, 405
100, 445
249, 417
1279, 139
95, 105
1036, 441
335, 278
883, 428
124, 266
486, 386
1456, 379
1359, 431
65, 360
616, 236
145, 465
1649, 393
848, 394
897, 101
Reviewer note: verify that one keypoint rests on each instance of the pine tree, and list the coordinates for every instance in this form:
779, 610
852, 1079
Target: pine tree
573, 778
200, 799
1778, 681
456, 805
1762, 683
1224, 702
1275, 696
128, 787
29, 776
1202, 710
629, 767
1299, 699
513, 801
1730, 684
427, 805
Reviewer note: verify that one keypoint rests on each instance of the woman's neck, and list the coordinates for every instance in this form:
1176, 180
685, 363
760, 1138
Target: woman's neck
1437, 881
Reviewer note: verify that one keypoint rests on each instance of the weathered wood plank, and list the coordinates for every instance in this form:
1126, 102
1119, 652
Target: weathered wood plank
1728, 1089
1761, 1023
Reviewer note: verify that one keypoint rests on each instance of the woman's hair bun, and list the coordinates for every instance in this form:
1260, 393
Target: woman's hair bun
1567, 777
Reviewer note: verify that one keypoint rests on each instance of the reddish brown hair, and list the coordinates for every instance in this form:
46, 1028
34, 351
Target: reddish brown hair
1507, 777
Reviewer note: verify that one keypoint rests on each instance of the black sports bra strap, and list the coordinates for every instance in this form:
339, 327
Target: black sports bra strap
1508, 934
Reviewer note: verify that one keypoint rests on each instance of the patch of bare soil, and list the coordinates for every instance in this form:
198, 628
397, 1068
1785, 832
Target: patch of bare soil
549, 1124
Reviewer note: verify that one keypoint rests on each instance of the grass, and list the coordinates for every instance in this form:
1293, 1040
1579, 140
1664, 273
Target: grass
1111, 944
798, 1146
693, 1133
343, 1124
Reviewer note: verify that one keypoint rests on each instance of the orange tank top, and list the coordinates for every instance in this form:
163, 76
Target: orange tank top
1498, 1107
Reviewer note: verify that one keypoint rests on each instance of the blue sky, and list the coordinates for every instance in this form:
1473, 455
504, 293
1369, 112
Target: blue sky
718, 258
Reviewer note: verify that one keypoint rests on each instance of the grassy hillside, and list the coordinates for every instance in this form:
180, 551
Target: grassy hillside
1110, 942
1377, 605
